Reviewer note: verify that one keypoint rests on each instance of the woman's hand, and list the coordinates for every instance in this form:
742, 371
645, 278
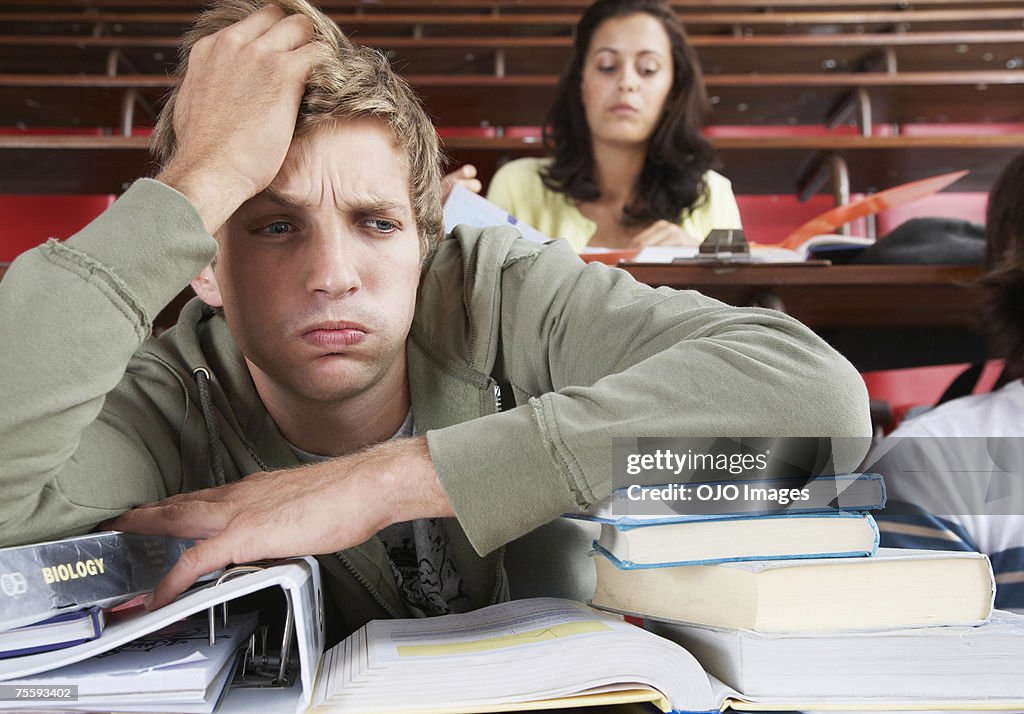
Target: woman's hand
663, 233
462, 176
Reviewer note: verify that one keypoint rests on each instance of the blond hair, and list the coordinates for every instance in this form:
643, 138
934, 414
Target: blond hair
353, 82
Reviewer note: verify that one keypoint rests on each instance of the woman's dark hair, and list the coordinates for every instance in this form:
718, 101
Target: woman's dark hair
672, 179
1002, 305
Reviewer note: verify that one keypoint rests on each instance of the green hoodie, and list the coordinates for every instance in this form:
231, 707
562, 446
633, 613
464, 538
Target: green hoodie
523, 364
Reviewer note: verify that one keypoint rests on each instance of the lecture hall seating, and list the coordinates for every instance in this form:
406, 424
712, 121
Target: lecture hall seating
810, 99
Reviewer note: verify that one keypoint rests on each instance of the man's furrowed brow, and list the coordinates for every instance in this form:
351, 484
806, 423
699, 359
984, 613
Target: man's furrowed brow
368, 204
372, 205
282, 199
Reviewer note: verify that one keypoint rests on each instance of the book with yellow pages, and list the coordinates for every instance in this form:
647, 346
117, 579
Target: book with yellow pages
549, 653
894, 588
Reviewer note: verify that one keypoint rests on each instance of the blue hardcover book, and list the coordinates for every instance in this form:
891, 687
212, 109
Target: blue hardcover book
55, 633
707, 540
684, 502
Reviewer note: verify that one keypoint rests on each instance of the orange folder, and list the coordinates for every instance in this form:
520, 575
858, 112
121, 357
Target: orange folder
828, 221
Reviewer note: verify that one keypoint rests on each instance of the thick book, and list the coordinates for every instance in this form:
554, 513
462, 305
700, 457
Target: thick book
46, 579
55, 632
910, 664
894, 588
526, 654
550, 653
705, 540
644, 505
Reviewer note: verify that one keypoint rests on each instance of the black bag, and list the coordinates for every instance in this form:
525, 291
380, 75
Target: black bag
942, 241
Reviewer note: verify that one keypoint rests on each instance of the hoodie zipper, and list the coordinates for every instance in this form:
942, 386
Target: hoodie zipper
369, 588
496, 393
499, 572
499, 576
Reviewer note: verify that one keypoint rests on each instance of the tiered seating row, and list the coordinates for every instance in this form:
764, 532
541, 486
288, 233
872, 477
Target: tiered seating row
541, 24
500, 56
498, 7
487, 71
757, 165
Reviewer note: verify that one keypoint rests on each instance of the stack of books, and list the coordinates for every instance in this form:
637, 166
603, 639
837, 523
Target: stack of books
56, 601
53, 633
527, 654
63, 577
803, 607
54, 594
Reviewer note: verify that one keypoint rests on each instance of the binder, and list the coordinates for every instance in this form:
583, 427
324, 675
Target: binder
300, 581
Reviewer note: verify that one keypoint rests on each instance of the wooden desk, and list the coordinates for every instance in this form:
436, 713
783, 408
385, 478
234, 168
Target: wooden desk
877, 316
877, 296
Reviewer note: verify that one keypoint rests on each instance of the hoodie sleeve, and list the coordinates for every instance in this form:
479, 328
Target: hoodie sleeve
71, 316
596, 355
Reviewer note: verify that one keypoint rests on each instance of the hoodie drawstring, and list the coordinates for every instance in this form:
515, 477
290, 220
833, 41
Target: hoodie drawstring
202, 377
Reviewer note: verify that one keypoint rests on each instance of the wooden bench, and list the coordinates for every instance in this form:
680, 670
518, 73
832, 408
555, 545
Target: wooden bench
787, 99
756, 165
539, 24
807, 53
779, 99
499, 56
513, 6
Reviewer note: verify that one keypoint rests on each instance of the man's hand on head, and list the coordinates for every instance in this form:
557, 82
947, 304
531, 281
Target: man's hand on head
322, 508
235, 113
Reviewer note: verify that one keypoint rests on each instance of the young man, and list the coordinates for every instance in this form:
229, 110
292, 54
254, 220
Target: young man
330, 322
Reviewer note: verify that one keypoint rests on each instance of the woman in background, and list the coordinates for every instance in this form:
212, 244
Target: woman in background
629, 166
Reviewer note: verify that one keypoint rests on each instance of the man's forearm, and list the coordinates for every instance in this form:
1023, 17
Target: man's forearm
213, 197
320, 508
71, 316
